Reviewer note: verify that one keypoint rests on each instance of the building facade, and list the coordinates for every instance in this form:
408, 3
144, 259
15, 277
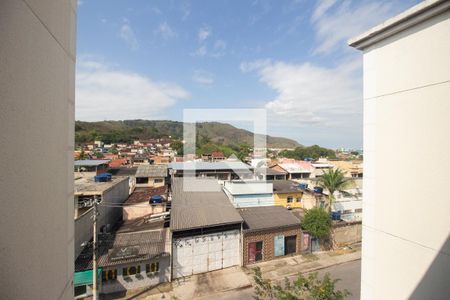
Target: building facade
405, 235
37, 111
269, 233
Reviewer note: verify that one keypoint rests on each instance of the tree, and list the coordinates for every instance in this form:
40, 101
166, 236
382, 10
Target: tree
177, 146
82, 154
303, 287
332, 181
317, 222
98, 154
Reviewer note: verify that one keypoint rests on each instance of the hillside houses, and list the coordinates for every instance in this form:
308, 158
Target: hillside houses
162, 222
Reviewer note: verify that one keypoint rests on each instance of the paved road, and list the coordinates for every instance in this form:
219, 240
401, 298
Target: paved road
349, 274
350, 277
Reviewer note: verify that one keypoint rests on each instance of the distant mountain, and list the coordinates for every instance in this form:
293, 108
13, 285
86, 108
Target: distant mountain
129, 130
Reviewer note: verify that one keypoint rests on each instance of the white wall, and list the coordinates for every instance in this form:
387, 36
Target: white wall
406, 223
117, 194
37, 78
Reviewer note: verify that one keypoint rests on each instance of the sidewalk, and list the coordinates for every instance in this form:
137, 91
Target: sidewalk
291, 266
236, 282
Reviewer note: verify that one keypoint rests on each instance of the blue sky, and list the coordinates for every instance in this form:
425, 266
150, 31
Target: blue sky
152, 59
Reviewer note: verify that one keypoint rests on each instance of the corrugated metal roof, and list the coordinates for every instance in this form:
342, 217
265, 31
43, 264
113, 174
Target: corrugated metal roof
248, 187
148, 243
151, 171
267, 217
202, 165
270, 171
191, 209
90, 162
285, 186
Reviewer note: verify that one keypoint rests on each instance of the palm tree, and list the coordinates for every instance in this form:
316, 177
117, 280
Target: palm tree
332, 181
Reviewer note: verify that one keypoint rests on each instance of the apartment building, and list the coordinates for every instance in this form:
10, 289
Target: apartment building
37, 92
406, 241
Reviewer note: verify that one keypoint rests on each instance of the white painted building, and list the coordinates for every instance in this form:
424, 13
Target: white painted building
249, 193
406, 225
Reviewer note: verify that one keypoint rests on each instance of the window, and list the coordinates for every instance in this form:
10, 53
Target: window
79, 290
299, 199
140, 180
158, 180
358, 210
152, 268
290, 199
131, 270
109, 275
347, 211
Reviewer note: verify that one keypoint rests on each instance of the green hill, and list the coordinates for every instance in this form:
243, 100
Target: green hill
129, 130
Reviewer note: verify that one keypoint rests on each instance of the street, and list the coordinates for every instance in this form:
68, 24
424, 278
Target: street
233, 283
349, 275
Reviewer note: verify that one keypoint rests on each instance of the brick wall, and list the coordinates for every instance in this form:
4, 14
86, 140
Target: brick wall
267, 237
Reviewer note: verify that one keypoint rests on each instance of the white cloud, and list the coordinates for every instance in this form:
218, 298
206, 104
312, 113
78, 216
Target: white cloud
106, 93
165, 31
185, 8
126, 33
203, 77
337, 21
203, 33
219, 48
201, 51
310, 94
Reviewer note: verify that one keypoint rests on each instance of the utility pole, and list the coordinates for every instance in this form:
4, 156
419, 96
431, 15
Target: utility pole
94, 254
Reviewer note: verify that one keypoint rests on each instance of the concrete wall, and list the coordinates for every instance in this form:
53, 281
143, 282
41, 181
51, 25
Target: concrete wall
406, 225
267, 237
37, 71
152, 183
139, 210
108, 215
346, 234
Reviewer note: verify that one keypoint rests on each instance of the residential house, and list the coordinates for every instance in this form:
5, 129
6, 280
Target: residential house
320, 166
351, 168
137, 255
160, 159
291, 194
151, 175
146, 202
296, 169
86, 191
270, 174
91, 167
249, 193
213, 156
223, 170
141, 159
125, 171
206, 229
349, 205
268, 233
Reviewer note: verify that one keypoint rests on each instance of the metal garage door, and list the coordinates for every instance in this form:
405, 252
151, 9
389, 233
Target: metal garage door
203, 253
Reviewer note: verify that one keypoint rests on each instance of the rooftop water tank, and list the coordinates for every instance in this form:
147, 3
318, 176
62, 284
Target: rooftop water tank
303, 186
155, 199
104, 177
318, 189
336, 215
